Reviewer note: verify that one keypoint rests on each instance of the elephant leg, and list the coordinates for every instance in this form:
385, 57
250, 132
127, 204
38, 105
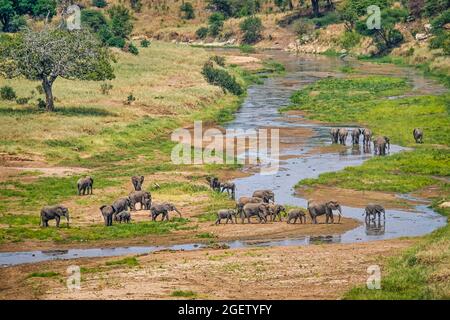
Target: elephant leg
57, 221
218, 221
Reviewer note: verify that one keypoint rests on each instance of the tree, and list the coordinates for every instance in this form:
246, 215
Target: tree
93, 19
315, 6
188, 11
121, 24
6, 13
252, 28
51, 53
215, 22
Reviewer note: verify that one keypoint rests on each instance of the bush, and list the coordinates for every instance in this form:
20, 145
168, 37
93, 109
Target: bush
16, 23
219, 60
136, 5
105, 88
7, 93
93, 19
145, 43
221, 78
303, 27
117, 42
246, 48
121, 24
99, 3
201, 32
434, 7
130, 99
41, 104
329, 18
188, 11
131, 48
252, 28
215, 22
23, 100
350, 39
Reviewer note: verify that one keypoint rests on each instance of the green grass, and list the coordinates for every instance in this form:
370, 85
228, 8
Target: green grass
183, 293
421, 272
48, 274
205, 235
129, 261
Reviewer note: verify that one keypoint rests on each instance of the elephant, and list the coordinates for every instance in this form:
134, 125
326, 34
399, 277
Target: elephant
228, 186
355, 135
316, 209
296, 214
120, 205
85, 185
137, 182
374, 210
163, 209
142, 197
266, 195
367, 136
214, 183
107, 213
244, 200
343, 133
380, 144
418, 135
334, 132
226, 214
123, 216
255, 209
275, 211
53, 212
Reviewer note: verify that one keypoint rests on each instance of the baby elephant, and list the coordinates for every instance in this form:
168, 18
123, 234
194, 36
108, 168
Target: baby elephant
296, 214
123, 216
84, 185
53, 212
226, 214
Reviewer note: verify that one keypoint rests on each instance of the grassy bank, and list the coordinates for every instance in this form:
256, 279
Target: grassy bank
422, 271
113, 140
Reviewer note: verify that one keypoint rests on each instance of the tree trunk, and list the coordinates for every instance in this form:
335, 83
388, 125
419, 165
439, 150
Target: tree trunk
47, 85
315, 6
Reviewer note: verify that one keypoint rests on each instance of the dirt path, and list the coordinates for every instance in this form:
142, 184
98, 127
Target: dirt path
251, 273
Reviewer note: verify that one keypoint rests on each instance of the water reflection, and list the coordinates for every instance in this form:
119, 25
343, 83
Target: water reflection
376, 227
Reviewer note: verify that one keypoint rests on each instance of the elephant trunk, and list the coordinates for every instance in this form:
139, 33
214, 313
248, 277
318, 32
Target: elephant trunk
178, 212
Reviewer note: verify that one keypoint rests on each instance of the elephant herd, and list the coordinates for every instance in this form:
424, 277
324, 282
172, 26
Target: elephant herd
262, 205
218, 186
381, 144
119, 210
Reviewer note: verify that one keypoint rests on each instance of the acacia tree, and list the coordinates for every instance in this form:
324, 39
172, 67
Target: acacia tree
51, 53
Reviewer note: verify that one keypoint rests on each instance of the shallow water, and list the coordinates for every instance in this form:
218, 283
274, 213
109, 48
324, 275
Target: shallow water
260, 109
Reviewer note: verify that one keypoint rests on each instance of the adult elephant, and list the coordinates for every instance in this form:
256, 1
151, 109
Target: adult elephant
54, 212
334, 132
137, 182
355, 135
374, 210
121, 204
163, 209
107, 213
84, 185
265, 195
255, 209
367, 136
343, 133
380, 144
242, 201
418, 135
316, 209
144, 198
214, 183
230, 187
275, 211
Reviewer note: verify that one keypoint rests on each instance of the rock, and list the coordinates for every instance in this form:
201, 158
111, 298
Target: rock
421, 36
427, 27
445, 204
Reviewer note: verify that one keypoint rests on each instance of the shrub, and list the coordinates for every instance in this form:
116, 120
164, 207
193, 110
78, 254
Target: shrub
93, 19
41, 104
16, 23
145, 43
130, 99
329, 18
252, 28
23, 100
105, 88
434, 7
131, 48
221, 78
99, 3
201, 32
303, 27
188, 11
39, 89
7, 93
121, 24
246, 48
117, 42
350, 39
219, 60
215, 22
136, 5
